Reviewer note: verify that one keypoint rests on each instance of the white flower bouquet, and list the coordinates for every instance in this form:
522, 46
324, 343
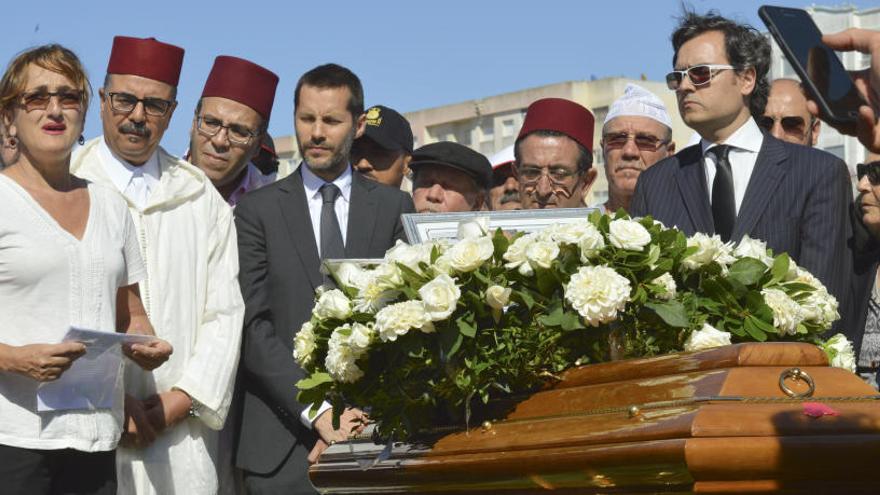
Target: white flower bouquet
439, 328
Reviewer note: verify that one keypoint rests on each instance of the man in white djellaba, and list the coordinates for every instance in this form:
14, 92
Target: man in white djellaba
187, 239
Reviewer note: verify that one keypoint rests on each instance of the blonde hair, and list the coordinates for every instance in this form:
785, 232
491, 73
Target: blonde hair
53, 57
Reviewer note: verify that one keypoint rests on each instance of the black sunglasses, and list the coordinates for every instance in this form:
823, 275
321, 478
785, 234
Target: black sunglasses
872, 170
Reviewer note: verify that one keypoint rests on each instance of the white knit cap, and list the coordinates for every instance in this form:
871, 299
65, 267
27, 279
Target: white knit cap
639, 102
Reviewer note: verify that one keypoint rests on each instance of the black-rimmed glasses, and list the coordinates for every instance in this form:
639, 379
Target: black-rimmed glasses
235, 133
125, 103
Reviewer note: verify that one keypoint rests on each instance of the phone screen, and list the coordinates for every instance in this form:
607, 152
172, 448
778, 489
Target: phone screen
829, 78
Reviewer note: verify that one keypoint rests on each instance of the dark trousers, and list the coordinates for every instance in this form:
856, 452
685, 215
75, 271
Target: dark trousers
56, 472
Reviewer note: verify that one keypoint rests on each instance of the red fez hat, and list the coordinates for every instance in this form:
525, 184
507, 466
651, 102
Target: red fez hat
565, 116
146, 57
242, 81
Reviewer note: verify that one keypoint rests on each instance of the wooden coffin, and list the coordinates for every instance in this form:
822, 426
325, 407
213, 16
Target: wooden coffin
713, 421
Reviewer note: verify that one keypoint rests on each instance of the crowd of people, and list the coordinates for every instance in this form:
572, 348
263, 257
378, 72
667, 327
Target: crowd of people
217, 254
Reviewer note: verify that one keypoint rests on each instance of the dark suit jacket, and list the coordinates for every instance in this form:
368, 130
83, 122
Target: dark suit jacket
796, 201
279, 272
865, 258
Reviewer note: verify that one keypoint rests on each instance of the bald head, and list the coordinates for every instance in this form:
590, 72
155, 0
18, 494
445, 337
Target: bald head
786, 116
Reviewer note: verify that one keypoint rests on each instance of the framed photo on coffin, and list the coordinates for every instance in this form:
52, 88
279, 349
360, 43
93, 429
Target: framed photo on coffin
421, 227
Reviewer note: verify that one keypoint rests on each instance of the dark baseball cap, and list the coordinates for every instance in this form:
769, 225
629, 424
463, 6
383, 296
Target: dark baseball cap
456, 156
388, 129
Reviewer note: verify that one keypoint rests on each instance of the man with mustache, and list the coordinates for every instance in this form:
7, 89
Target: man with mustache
637, 133
449, 177
191, 294
554, 154
737, 180
504, 191
323, 210
230, 124
385, 149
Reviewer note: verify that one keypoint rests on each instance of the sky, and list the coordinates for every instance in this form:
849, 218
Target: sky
409, 55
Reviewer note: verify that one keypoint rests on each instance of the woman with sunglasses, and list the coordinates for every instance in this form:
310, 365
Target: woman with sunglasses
863, 325
68, 258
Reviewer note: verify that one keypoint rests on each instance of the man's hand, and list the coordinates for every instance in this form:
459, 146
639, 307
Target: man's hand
42, 362
866, 81
149, 356
137, 430
167, 409
351, 422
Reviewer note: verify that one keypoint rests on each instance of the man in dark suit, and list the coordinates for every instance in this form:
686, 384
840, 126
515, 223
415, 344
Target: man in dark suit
323, 210
739, 181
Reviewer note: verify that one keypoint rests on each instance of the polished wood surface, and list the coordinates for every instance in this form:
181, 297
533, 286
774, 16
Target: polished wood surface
709, 422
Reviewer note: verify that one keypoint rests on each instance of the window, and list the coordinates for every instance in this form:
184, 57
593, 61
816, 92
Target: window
508, 128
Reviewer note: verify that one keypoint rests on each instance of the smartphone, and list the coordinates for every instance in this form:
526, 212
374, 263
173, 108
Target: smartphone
821, 72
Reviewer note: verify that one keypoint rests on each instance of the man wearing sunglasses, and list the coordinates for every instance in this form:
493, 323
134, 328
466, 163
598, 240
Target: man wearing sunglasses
230, 123
554, 154
191, 293
737, 180
786, 116
637, 133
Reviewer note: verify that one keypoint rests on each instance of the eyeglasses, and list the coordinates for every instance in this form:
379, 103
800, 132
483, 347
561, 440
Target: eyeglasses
790, 125
125, 103
872, 170
699, 75
235, 133
39, 100
644, 142
560, 178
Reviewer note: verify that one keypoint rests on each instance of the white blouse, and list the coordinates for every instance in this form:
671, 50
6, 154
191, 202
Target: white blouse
49, 281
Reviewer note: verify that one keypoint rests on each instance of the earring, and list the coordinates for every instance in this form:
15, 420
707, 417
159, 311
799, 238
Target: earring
13, 141
82, 140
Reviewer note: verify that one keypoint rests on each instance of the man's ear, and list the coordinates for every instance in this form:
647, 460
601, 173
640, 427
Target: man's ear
817, 126
748, 79
361, 125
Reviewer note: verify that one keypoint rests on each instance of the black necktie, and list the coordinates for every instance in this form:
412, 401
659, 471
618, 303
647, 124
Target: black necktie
332, 246
723, 201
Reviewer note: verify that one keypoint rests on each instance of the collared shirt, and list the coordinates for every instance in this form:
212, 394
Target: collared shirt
251, 180
745, 144
313, 185
129, 178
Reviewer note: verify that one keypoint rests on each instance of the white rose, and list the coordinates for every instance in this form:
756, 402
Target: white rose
304, 344
440, 297
821, 308
332, 304
373, 297
397, 319
706, 338
387, 275
840, 352
350, 275
469, 254
567, 233
473, 228
590, 244
753, 248
409, 256
787, 313
497, 297
341, 360
597, 293
709, 249
628, 234
668, 283
516, 254
542, 253
361, 336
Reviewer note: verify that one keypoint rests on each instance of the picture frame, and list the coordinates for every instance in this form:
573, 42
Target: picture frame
422, 227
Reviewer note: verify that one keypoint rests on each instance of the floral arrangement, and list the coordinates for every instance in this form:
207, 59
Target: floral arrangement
440, 327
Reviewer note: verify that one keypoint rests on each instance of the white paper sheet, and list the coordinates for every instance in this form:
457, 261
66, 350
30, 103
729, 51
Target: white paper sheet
90, 383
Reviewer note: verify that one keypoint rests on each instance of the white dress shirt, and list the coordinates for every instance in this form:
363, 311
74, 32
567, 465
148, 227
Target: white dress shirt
313, 185
745, 144
136, 183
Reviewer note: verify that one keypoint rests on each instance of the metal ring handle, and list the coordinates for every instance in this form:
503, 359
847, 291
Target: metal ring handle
796, 374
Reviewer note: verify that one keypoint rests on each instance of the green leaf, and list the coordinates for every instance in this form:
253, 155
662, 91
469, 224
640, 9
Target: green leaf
671, 312
747, 271
450, 341
780, 267
313, 381
753, 329
501, 243
467, 328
